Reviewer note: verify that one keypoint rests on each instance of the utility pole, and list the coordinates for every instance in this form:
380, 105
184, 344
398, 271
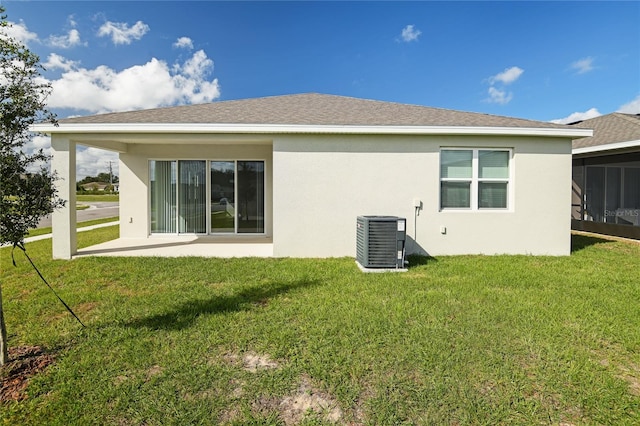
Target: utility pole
110, 174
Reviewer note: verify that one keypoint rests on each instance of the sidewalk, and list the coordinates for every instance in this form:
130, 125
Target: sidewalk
86, 228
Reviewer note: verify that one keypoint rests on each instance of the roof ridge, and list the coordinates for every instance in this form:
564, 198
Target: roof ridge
312, 108
417, 106
628, 118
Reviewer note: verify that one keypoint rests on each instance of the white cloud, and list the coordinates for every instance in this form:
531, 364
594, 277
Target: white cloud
19, 32
69, 40
55, 61
410, 33
507, 76
578, 116
583, 65
497, 96
121, 33
497, 93
91, 161
632, 107
184, 43
149, 85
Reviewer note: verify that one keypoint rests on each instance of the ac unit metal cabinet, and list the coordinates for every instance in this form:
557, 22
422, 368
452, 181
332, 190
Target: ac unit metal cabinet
380, 241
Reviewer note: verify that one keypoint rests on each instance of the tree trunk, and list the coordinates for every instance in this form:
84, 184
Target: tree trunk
4, 351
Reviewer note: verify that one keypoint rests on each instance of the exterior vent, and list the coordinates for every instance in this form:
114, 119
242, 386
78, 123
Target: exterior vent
380, 241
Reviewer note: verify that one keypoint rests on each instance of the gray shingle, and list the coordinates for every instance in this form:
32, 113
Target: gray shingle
310, 109
608, 129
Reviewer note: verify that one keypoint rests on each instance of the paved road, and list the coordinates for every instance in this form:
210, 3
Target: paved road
96, 210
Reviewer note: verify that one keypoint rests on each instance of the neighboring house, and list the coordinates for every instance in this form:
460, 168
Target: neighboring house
606, 176
95, 186
288, 176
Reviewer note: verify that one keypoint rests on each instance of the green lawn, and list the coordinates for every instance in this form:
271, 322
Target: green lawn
456, 340
47, 230
98, 197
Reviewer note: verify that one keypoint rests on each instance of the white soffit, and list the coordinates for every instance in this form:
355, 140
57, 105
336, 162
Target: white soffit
185, 128
607, 147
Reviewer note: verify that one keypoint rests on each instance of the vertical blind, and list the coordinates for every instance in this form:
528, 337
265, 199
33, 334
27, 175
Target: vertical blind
163, 196
179, 196
193, 196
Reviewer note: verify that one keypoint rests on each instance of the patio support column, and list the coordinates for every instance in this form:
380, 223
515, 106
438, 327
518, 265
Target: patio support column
64, 220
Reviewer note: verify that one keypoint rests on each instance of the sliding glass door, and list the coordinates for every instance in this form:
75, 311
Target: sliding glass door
223, 196
192, 194
251, 197
185, 200
164, 200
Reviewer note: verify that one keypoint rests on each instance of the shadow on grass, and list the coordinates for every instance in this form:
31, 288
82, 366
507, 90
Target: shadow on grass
185, 314
420, 260
579, 242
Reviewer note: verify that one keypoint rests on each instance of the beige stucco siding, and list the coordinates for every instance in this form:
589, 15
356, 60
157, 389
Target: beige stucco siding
316, 186
322, 183
134, 177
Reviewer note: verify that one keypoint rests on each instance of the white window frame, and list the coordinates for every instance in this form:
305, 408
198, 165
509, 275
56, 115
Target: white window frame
476, 179
208, 162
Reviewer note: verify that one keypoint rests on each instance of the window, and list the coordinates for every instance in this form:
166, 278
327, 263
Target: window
185, 200
474, 178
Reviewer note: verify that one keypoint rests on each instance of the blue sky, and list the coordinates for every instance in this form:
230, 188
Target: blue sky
537, 60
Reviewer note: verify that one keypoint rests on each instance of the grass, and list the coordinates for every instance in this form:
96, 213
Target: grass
456, 340
100, 197
47, 230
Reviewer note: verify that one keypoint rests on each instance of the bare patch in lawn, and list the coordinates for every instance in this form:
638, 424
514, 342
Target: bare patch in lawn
238, 388
155, 370
80, 309
229, 415
24, 363
252, 361
629, 372
306, 402
120, 380
626, 369
551, 402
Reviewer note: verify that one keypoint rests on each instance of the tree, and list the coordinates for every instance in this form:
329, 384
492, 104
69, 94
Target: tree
102, 177
27, 190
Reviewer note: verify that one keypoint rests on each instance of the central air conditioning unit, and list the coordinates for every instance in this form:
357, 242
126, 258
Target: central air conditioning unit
380, 241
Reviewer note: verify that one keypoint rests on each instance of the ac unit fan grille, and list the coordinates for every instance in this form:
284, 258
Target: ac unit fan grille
379, 242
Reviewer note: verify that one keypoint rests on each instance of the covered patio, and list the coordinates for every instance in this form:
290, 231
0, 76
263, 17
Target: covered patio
182, 245
138, 237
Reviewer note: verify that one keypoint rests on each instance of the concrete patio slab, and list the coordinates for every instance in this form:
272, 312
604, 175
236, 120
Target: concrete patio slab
176, 246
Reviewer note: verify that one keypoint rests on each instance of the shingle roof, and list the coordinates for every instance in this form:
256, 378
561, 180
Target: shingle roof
608, 129
311, 109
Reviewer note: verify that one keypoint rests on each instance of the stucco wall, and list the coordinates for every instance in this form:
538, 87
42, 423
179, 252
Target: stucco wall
317, 185
322, 183
134, 177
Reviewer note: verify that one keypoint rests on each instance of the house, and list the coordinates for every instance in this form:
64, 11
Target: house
95, 186
287, 176
606, 176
